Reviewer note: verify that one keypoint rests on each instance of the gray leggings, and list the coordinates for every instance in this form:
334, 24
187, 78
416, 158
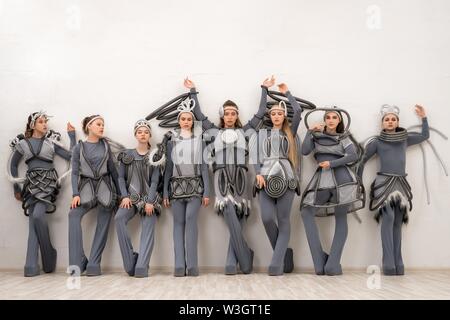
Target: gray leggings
391, 239
324, 264
238, 250
76, 251
273, 211
185, 233
39, 237
133, 266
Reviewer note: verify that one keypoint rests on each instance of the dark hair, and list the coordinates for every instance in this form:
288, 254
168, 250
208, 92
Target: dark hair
86, 121
28, 130
238, 123
148, 143
340, 128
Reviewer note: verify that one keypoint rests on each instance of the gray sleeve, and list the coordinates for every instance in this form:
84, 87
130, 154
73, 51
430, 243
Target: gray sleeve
205, 174
308, 143
369, 152
199, 116
154, 180
122, 179
14, 167
259, 116
254, 157
168, 170
72, 138
63, 153
113, 172
416, 138
257, 167
350, 156
297, 116
75, 161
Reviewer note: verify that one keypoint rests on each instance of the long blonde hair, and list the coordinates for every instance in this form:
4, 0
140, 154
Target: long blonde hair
292, 156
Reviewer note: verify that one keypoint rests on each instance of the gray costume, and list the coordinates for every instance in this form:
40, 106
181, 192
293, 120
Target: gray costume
138, 181
38, 196
95, 180
282, 181
334, 191
229, 148
390, 192
186, 181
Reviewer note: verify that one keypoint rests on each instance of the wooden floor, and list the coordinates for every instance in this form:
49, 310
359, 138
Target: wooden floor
162, 285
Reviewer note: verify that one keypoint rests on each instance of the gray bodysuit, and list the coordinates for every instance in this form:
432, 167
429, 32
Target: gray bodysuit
186, 181
391, 193
281, 184
333, 191
229, 149
95, 180
138, 180
38, 196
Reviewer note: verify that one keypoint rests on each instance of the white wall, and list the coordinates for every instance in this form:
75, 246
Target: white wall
124, 58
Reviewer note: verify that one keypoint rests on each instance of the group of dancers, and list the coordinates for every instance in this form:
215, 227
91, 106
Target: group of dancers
122, 183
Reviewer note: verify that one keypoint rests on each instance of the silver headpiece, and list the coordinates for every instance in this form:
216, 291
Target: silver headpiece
186, 105
36, 116
388, 109
142, 123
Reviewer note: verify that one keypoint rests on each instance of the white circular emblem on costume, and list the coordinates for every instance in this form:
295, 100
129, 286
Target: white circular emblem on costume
229, 136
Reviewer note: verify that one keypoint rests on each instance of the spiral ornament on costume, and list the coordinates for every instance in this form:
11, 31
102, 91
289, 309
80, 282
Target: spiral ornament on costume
292, 184
125, 158
134, 197
276, 186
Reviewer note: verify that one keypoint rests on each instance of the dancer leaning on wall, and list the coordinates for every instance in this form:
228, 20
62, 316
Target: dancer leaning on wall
334, 188
94, 185
391, 193
138, 180
186, 188
229, 149
41, 186
276, 174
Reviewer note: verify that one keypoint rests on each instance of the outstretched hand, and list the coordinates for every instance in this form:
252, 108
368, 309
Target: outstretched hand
70, 127
420, 111
189, 83
283, 88
269, 82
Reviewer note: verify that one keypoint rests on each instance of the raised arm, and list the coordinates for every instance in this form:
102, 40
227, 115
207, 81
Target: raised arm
416, 138
62, 152
297, 116
259, 116
199, 116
